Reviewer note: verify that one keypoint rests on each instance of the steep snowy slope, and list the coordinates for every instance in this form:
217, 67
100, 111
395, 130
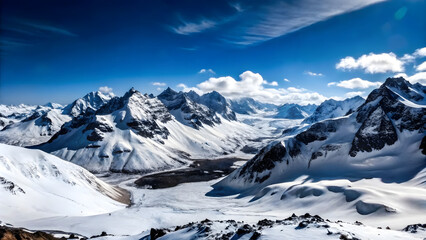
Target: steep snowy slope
136, 133
295, 111
34, 184
332, 108
384, 139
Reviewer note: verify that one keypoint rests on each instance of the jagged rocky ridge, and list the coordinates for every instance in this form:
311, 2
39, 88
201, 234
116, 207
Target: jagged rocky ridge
387, 127
185, 107
128, 133
304, 226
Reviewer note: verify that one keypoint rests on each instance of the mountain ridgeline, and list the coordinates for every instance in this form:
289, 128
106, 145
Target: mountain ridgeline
370, 141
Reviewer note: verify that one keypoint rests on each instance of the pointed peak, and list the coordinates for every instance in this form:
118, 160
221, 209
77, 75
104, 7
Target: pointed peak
168, 92
396, 82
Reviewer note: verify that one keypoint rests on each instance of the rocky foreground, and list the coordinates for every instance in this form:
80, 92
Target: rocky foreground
294, 227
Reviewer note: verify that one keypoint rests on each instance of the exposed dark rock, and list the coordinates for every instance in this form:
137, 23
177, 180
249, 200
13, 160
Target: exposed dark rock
264, 160
8, 233
423, 145
157, 233
11, 186
414, 227
376, 132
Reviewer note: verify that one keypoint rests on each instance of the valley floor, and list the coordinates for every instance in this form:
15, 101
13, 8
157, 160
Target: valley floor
190, 202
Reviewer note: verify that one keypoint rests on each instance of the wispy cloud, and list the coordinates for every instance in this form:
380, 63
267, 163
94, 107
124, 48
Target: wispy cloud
187, 28
276, 19
49, 29
286, 80
207, 71
314, 74
159, 84
355, 83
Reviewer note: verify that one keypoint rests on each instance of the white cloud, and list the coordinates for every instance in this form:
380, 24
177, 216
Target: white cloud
252, 85
207, 71
408, 58
296, 90
421, 67
187, 89
188, 28
353, 94
421, 52
106, 90
373, 63
273, 83
159, 89
419, 77
286, 80
314, 74
159, 84
355, 83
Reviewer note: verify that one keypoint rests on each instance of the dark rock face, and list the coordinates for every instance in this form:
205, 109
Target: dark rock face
156, 233
319, 131
131, 101
423, 145
217, 103
148, 129
187, 110
8, 233
376, 132
264, 160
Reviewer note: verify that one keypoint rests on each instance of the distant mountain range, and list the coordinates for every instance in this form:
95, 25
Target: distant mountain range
139, 132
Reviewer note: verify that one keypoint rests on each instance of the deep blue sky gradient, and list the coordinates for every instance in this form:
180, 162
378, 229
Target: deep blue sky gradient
123, 44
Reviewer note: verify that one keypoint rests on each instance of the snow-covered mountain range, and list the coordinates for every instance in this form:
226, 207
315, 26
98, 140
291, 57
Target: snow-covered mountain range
142, 133
295, 111
32, 125
380, 146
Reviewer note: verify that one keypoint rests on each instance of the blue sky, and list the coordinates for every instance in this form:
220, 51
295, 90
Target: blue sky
60, 50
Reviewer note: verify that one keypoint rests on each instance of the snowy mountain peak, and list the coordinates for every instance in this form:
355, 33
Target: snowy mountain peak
91, 101
333, 108
186, 110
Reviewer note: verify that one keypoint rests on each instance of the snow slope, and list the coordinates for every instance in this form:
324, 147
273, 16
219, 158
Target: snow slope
332, 108
34, 184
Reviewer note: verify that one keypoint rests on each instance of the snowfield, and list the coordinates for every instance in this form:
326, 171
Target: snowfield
34, 184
